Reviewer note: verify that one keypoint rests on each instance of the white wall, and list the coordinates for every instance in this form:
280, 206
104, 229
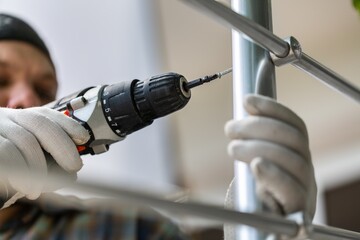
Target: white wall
335, 168
102, 42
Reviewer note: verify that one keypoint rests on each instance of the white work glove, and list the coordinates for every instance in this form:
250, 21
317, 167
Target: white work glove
274, 141
24, 136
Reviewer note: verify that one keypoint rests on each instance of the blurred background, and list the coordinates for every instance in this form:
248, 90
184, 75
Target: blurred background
103, 42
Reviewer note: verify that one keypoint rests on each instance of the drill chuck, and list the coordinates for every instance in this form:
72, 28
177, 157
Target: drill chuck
130, 106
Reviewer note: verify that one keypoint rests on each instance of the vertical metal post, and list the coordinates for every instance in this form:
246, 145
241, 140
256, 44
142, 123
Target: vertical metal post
253, 72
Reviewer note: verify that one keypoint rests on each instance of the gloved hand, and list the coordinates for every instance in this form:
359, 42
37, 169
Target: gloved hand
274, 141
24, 136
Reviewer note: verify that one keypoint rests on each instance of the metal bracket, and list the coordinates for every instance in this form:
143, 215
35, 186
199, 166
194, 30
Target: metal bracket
293, 55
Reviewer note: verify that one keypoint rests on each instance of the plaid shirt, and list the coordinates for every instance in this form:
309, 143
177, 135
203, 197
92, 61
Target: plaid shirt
59, 217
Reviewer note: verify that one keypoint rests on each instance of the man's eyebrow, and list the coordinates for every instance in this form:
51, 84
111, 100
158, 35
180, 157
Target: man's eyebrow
48, 76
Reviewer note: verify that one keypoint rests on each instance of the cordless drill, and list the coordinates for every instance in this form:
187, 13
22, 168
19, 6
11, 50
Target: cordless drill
111, 112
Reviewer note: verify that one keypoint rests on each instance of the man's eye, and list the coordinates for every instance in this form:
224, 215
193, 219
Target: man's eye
4, 82
44, 94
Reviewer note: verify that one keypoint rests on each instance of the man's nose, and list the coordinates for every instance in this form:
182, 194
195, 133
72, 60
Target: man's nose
22, 95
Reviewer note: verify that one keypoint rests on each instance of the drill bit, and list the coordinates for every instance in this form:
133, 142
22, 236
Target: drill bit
208, 78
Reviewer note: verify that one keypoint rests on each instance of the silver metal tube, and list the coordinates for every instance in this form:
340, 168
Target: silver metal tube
331, 233
255, 31
253, 71
327, 76
118, 195
268, 223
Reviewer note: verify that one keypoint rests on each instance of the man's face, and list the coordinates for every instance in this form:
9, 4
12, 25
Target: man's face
27, 77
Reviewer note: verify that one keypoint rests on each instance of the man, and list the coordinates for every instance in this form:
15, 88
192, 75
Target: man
28, 79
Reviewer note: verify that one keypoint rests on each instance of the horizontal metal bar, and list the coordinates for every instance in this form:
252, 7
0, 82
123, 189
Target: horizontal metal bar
280, 48
256, 32
268, 223
327, 76
331, 233
265, 222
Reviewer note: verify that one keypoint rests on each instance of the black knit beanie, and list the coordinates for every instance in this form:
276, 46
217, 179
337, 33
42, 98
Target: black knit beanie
13, 28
